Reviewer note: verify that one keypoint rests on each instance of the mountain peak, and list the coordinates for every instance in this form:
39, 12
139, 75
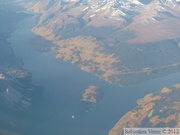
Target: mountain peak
121, 14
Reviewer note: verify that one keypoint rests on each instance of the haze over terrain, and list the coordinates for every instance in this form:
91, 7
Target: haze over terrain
17, 93
123, 42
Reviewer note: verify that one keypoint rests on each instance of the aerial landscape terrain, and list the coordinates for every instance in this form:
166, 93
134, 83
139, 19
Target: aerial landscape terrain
124, 44
154, 110
110, 39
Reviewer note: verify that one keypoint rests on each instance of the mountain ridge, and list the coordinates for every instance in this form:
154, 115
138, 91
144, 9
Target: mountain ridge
118, 14
86, 32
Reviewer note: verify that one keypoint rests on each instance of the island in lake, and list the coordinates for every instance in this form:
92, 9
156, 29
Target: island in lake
122, 42
92, 94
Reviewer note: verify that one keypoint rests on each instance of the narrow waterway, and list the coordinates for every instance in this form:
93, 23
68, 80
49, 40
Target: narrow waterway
64, 84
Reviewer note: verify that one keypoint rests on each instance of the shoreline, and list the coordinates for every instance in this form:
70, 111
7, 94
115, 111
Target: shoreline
16, 95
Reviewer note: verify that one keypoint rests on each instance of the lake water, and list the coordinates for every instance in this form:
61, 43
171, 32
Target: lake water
64, 84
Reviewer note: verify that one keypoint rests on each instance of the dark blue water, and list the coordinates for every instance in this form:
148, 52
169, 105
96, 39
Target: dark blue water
64, 84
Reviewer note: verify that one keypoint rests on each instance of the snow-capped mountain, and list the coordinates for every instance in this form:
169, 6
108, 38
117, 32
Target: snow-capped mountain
97, 35
120, 7
121, 14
